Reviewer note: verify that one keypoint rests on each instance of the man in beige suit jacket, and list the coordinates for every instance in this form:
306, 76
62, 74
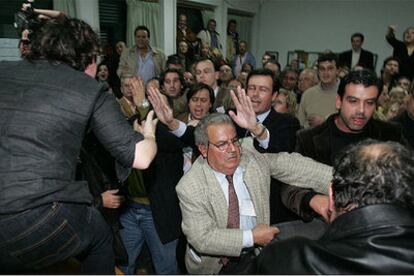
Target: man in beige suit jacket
204, 200
141, 59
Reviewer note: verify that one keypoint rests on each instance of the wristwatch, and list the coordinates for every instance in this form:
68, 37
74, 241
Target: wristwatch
261, 132
145, 103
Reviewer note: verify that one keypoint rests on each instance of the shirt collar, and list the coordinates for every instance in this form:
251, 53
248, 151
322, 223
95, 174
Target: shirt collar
221, 177
263, 116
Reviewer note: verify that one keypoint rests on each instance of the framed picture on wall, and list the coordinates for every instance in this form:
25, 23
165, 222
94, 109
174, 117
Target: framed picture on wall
273, 54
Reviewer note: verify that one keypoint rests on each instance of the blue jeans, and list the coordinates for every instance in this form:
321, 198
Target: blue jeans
137, 226
42, 236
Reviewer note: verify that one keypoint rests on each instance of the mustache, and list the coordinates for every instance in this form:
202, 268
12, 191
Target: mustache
232, 154
359, 116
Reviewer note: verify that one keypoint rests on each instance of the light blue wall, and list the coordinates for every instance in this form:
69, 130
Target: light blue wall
319, 25
9, 49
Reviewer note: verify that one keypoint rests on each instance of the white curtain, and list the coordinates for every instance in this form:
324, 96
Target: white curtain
207, 15
66, 6
244, 26
147, 14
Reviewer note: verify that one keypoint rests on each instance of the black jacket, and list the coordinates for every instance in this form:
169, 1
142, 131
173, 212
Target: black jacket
160, 180
366, 59
375, 239
316, 143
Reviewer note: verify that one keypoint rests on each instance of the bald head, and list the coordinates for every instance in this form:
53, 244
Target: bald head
373, 172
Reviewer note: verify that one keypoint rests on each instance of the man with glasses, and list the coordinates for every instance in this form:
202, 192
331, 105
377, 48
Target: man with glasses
204, 220
224, 198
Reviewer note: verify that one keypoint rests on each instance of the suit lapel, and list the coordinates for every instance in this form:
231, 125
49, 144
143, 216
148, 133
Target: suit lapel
267, 122
217, 199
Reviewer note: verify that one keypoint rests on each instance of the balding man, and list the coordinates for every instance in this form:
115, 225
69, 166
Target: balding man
372, 225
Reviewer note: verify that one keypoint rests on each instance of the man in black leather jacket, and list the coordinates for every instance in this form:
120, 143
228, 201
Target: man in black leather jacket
371, 232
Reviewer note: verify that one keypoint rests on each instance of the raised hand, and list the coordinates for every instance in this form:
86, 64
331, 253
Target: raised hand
162, 109
245, 117
138, 90
392, 28
148, 126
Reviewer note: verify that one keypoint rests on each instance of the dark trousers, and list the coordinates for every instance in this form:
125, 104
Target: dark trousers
37, 238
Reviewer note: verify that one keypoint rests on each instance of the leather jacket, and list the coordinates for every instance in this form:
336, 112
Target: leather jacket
375, 239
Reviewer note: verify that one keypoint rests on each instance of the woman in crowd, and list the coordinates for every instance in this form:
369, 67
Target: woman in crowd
200, 99
102, 75
285, 102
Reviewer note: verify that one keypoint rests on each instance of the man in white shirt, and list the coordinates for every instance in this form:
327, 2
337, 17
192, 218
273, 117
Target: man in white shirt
226, 176
210, 36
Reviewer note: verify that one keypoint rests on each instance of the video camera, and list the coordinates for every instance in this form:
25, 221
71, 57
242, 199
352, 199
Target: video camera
25, 19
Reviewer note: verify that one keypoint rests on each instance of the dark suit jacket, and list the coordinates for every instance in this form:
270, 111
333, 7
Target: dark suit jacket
370, 240
366, 59
316, 143
282, 129
160, 180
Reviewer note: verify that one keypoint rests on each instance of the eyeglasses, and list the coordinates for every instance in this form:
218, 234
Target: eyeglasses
224, 146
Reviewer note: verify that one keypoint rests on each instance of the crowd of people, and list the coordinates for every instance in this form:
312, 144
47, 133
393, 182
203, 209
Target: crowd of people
247, 169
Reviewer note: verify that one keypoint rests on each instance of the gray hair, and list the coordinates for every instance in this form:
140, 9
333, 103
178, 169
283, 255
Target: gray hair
312, 72
200, 133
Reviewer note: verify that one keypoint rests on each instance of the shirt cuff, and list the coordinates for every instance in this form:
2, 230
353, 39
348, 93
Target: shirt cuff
264, 143
180, 130
248, 238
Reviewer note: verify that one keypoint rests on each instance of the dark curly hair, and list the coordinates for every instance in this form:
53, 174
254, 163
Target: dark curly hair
193, 89
171, 70
373, 172
67, 40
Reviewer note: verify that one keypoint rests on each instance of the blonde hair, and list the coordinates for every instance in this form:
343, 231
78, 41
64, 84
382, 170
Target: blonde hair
291, 101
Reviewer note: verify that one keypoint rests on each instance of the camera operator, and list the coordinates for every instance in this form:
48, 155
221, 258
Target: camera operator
29, 18
46, 104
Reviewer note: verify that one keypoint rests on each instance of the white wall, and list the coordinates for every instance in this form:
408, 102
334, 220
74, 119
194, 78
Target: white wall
319, 25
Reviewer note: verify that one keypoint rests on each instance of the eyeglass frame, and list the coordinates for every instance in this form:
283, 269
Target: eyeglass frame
236, 141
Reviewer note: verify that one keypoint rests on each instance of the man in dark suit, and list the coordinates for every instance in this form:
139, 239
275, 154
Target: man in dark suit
357, 56
356, 101
277, 135
371, 204
277, 129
